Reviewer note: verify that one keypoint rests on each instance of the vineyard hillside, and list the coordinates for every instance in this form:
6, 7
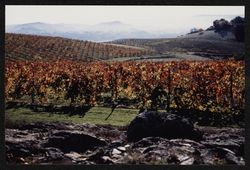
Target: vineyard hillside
20, 46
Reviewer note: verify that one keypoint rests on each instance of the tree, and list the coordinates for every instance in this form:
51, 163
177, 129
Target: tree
238, 28
222, 25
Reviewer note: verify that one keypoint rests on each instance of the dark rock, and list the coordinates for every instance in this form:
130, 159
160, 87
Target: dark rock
23, 149
171, 126
53, 154
157, 150
96, 155
21, 144
231, 158
99, 156
116, 143
227, 140
183, 152
218, 155
146, 142
73, 141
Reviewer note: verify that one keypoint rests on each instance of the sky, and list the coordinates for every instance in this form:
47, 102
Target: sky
170, 18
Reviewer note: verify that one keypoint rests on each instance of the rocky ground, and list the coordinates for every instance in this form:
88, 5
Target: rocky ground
67, 143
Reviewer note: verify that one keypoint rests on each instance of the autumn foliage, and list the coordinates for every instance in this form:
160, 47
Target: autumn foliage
216, 86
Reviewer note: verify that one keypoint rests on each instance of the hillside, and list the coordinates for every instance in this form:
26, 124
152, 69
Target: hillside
224, 39
202, 43
20, 46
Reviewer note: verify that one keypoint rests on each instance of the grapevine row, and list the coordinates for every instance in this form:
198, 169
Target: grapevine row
217, 86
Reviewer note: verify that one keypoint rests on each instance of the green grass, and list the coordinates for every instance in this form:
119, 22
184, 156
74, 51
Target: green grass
96, 115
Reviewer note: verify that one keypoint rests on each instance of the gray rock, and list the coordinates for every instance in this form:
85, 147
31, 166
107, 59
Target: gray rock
228, 140
187, 161
107, 160
53, 154
127, 146
116, 152
73, 155
121, 148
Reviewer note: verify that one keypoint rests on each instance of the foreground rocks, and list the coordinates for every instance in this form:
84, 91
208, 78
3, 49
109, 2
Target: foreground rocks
67, 143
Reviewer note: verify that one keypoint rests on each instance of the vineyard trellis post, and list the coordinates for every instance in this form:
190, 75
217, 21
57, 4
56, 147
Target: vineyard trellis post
114, 89
114, 94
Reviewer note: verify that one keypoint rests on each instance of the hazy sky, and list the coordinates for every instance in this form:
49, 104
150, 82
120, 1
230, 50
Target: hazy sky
171, 18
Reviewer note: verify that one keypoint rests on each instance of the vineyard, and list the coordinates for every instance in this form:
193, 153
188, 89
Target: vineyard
214, 86
20, 46
146, 43
194, 44
130, 100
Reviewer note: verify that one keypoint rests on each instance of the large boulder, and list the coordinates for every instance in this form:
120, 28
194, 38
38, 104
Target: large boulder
166, 125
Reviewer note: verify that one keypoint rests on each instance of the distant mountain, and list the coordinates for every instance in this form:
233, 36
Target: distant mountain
107, 31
